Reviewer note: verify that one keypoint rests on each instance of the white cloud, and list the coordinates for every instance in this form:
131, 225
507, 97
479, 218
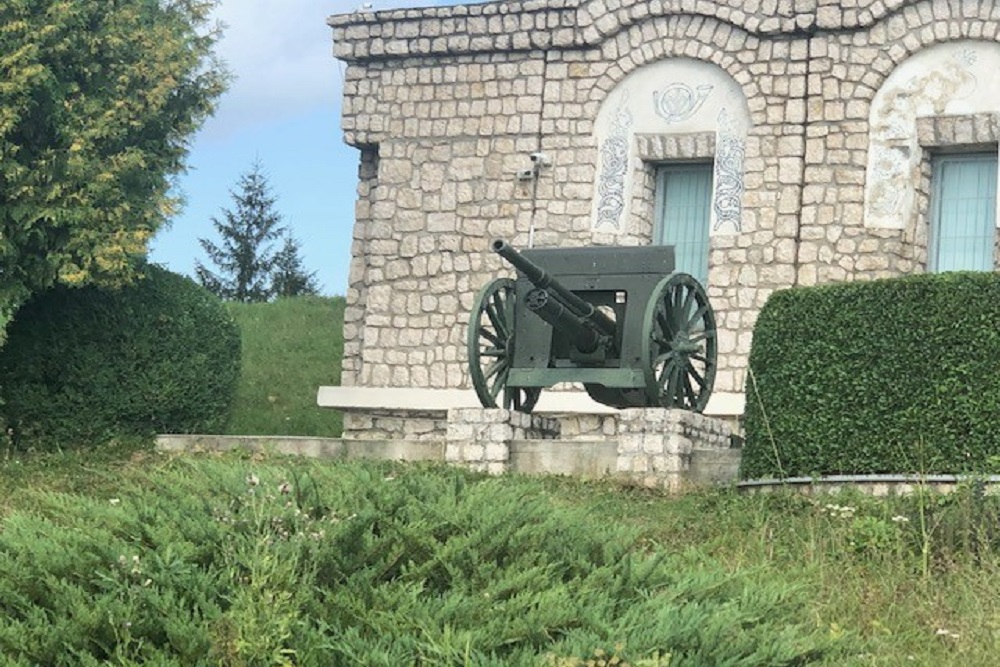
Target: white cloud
281, 56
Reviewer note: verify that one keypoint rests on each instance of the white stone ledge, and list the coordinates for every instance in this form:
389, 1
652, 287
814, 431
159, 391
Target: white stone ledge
420, 399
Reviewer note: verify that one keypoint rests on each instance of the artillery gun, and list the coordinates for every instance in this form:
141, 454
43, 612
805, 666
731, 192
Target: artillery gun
617, 319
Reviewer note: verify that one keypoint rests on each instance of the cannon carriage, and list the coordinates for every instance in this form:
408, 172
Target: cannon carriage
619, 320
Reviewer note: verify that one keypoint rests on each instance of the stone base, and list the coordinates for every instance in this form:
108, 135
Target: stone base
480, 438
394, 425
656, 445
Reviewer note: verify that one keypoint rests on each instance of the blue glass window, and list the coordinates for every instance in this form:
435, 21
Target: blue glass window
963, 212
683, 212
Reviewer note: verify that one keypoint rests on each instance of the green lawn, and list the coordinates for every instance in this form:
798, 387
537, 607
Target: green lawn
131, 557
290, 348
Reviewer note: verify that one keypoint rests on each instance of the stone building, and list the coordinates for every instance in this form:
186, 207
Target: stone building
774, 142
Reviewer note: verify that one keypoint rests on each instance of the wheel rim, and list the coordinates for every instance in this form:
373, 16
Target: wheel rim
491, 349
679, 344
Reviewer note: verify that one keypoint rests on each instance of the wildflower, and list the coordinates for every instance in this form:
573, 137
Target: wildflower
842, 511
115, 501
944, 632
899, 518
252, 480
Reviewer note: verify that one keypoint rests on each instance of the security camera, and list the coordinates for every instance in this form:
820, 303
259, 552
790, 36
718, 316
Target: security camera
540, 158
525, 174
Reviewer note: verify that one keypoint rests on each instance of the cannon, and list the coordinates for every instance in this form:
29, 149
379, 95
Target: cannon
619, 320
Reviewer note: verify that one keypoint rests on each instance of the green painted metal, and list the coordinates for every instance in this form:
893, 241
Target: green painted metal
580, 315
963, 214
620, 378
680, 340
490, 347
683, 214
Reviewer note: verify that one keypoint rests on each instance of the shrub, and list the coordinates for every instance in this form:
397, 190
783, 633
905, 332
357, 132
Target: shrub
209, 561
84, 365
898, 375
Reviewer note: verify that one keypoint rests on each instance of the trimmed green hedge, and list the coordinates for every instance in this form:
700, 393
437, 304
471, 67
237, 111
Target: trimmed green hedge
81, 366
898, 375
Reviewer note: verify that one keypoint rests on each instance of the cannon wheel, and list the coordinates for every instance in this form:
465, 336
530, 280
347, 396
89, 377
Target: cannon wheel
491, 349
679, 344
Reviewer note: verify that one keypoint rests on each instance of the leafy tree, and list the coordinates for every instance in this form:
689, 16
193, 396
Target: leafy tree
290, 278
97, 102
245, 257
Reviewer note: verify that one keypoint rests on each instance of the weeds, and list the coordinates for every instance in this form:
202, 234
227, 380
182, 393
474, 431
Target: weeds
249, 559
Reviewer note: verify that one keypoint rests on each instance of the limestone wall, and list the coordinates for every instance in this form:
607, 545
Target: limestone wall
819, 115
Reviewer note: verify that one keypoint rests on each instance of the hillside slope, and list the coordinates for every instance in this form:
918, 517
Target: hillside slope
290, 348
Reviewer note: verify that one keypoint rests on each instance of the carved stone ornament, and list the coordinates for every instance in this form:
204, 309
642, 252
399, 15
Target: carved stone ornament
678, 101
614, 168
730, 151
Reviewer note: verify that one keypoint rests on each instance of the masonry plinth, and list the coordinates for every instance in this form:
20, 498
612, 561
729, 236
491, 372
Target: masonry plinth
656, 446
480, 438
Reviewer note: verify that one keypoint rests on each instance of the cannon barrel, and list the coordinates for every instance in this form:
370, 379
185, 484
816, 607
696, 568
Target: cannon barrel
584, 334
561, 300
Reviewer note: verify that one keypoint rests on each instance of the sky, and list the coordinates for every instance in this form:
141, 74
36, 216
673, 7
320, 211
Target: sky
283, 109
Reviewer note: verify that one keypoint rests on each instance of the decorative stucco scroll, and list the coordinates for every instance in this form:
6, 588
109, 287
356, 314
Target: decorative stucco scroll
730, 151
698, 98
678, 101
614, 168
956, 78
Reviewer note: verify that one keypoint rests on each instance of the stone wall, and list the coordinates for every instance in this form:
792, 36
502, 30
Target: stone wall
820, 116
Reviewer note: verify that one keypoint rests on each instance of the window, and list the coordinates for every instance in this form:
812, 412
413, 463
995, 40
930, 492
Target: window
963, 212
683, 213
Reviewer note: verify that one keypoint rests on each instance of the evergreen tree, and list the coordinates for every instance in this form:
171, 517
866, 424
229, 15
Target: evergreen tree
98, 101
290, 277
245, 258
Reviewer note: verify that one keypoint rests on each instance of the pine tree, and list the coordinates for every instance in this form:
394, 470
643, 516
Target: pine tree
290, 277
245, 258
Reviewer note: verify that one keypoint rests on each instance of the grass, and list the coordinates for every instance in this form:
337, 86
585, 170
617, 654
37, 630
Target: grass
844, 580
890, 582
290, 348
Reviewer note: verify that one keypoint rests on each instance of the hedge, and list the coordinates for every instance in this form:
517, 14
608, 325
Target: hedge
84, 365
891, 376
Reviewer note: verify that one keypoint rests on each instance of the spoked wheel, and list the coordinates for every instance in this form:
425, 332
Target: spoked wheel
491, 349
679, 344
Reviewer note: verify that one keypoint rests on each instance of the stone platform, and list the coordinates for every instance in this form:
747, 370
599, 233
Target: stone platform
665, 449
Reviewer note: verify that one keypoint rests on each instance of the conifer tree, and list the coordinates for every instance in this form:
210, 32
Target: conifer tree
290, 277
98, 101
245, 258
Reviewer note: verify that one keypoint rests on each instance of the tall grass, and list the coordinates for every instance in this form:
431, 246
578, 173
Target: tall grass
290, 348
233, 561
266, 560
